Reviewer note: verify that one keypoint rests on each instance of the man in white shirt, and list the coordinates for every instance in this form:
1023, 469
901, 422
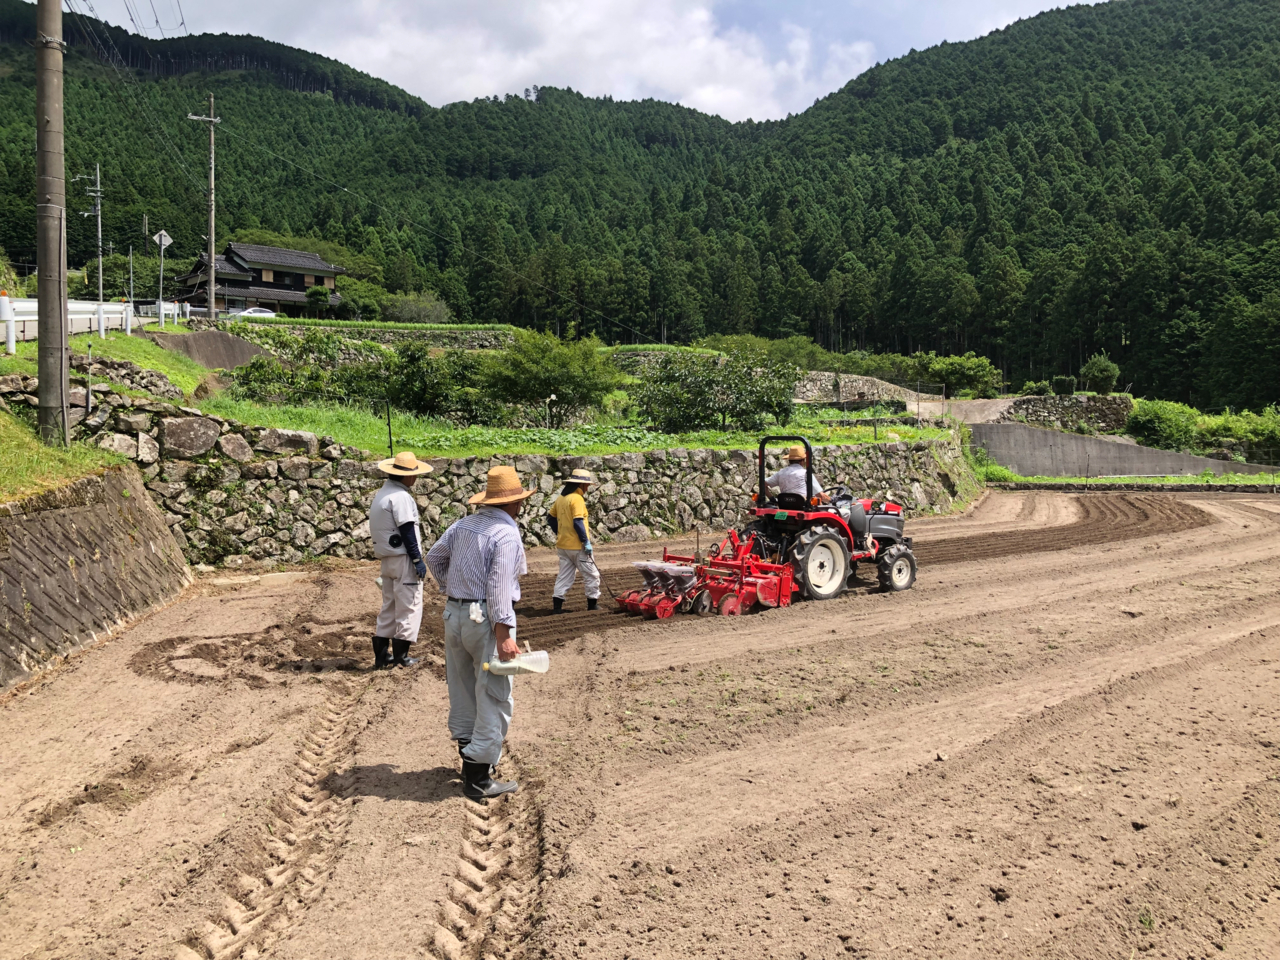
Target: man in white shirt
791, 478
478, 563
393, 526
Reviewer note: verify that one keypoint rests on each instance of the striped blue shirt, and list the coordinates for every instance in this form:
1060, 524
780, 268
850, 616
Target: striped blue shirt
482, 557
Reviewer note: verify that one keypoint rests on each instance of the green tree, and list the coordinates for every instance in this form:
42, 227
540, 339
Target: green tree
541, 372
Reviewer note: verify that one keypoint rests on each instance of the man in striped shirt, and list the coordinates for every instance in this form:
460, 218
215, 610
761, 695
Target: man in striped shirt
477, 563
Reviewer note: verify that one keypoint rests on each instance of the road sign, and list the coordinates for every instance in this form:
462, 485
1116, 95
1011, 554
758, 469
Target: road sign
163, 239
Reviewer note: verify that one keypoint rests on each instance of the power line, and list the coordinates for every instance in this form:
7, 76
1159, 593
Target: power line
435, 233
157, 16
128, 8
139, 101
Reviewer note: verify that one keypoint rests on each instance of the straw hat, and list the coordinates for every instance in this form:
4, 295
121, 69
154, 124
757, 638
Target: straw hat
502, 486
580, 476
404, 464
796, 455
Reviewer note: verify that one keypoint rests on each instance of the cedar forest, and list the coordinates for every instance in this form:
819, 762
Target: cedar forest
1100, 178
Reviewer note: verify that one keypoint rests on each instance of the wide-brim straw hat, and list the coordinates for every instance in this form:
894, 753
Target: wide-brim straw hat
795, 454
404, 464
580, 476
502, 486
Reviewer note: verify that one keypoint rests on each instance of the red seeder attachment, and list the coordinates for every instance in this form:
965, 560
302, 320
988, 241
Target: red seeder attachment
730, 581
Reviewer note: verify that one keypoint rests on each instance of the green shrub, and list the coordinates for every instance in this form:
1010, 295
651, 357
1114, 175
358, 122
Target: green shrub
1163, 424
449, 386
541, 372
1036, 388
1064, 386
1100, 374
685, 392
423, 307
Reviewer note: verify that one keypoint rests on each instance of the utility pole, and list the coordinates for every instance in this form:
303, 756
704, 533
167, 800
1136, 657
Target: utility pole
96, 192
212, 301
51, 226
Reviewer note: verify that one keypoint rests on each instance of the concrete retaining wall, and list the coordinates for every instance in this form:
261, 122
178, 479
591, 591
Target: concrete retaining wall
78, 562
1035, 452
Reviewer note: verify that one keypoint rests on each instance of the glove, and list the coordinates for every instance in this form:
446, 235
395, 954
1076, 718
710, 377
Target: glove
587, 548
420, 569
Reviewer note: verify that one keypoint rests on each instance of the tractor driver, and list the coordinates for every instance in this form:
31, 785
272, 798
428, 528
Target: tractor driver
791, 478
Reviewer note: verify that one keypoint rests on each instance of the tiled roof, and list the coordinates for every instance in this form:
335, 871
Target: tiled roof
226, 268
254, 254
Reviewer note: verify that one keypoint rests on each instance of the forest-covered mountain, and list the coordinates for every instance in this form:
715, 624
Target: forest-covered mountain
1096, 178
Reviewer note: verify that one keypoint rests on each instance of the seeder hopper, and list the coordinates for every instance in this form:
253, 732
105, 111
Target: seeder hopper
795, 548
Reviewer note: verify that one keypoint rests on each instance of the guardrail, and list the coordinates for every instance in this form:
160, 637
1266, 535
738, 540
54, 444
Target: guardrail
20, 317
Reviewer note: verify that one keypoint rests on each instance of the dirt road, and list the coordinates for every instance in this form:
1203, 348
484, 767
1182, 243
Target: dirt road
1064, 742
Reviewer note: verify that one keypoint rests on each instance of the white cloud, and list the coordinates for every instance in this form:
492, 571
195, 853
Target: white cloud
444, 51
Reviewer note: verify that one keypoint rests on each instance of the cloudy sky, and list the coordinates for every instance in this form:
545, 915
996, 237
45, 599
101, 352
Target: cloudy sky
737, 58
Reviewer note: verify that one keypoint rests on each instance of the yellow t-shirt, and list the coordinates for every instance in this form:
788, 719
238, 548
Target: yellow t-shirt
565, 510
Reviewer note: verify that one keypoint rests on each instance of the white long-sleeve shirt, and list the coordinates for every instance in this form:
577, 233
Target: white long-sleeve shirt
790, 479
481, 557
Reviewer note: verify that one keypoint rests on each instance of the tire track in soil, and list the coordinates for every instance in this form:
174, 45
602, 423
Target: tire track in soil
486, 911
298, 845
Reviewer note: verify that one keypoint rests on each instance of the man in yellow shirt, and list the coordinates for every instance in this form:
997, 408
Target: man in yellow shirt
568, 520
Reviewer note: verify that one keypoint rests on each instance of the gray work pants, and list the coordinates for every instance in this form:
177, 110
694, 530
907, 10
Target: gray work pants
401, 613
480, 704
571, 561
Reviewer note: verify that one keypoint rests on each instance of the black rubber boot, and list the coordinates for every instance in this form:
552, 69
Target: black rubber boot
462, 745
400, 654
477, 784
380, 658
593, 603
557, 605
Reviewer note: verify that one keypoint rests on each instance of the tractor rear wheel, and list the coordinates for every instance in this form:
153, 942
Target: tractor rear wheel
821, 559
897, 568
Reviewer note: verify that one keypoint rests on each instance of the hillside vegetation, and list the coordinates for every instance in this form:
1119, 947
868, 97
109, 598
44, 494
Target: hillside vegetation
1100, 178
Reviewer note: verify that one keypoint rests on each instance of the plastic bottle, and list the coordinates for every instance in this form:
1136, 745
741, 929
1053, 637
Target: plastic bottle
536, 662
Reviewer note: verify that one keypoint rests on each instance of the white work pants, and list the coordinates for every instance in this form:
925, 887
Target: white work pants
401, 613
571, 561
480, 704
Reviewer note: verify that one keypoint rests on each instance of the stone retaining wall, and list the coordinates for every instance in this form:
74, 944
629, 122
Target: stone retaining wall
233, 493
1103, 414
821, 386
445, 339
78, 562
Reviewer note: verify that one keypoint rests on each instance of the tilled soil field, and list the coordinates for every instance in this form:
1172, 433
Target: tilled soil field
1064, 742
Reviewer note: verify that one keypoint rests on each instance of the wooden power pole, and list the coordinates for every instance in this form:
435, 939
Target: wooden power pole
213, 269
51, 227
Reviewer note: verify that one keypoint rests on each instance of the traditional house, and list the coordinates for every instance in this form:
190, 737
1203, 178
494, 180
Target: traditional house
250, 275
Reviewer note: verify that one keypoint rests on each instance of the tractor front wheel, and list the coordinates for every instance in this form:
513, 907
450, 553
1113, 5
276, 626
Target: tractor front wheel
897, 568
821, 560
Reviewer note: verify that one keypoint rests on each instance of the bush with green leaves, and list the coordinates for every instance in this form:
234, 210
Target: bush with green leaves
968, 373
1100, 374
551, 379
1064, 386
1163, 424
1036, 388
447, 386
685, 392
421, 307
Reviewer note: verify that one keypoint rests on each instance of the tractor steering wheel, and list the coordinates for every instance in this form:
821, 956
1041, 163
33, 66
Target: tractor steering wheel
840, 492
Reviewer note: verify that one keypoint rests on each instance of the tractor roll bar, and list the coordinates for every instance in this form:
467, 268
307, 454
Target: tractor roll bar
808, 467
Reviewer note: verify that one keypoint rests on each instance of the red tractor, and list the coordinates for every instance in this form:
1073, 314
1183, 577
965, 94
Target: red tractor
795, 545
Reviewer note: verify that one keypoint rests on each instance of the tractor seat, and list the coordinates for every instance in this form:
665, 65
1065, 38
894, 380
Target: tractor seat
792, 501
854, 516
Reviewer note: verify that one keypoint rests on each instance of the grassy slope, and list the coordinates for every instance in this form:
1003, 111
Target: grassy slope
185, 373
27, 466
361, 428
